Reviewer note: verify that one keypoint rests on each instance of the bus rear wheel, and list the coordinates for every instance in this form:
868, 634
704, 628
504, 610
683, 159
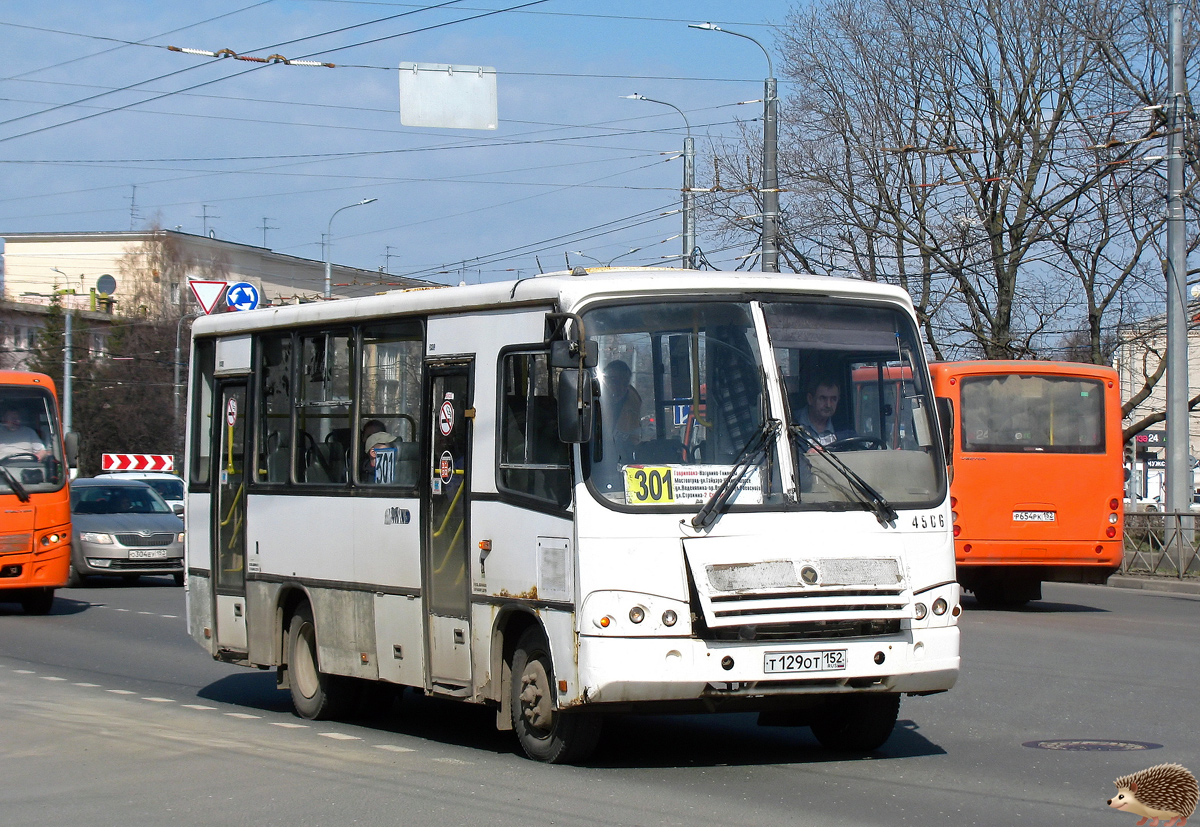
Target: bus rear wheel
857, 723
315, 695
545, 732
38, 601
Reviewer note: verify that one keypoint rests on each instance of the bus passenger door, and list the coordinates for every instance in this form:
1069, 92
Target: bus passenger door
229, 514
447, 571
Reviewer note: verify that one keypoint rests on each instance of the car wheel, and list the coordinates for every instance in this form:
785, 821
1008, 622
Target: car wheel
38, 601
315, 694
545, 732
74, 578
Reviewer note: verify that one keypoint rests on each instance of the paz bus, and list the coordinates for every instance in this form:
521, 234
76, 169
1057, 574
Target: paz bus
35, 505
1037, 475
573, 495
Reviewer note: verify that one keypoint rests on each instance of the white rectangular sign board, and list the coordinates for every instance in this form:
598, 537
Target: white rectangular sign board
448, 97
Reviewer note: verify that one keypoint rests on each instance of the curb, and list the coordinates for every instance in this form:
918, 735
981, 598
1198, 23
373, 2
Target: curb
1172, 585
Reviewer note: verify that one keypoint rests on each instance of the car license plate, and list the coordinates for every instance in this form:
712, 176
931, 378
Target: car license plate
1033, 516
826, 661
147, 553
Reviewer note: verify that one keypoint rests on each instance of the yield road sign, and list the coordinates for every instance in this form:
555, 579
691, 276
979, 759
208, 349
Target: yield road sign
207, 293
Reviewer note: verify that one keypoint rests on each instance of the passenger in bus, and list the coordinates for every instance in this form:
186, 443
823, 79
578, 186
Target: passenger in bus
621, 409
17, 438
816, 417
371, 428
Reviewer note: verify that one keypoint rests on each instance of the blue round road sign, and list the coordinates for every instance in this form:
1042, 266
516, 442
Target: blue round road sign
242, 296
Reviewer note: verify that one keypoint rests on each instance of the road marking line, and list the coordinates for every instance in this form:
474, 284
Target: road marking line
160, 700
52, 678
122, 610
25, 672
88, 685
145, 613
198, 706
451, 761
241, 715
339, 736
170, 617
393, 748
121, 691
287, 725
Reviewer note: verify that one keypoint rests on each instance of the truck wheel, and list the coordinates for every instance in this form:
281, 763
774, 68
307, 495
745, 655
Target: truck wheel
315, 695
857, 723
38, 601
545, 732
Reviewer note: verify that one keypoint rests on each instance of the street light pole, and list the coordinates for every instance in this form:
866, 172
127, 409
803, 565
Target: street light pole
770, 173
689, 183
329, 243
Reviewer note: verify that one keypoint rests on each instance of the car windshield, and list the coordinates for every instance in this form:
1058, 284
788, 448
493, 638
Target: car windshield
117, 499
167, 489
853, 376
681, 397
31, 458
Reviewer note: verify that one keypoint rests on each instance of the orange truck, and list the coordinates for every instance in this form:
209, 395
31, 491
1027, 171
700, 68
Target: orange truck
35, 503
1036, 491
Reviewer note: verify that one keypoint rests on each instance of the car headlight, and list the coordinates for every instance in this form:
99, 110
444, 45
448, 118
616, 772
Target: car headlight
179, 537
93, 537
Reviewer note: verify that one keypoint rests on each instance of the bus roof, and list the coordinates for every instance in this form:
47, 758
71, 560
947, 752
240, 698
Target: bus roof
1028, 367
564, 289
24, 377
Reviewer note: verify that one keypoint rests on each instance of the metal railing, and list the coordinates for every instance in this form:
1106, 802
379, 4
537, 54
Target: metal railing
1161, 542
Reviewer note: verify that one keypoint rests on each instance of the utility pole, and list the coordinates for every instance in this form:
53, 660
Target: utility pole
689, 183
68, 361
1179, 471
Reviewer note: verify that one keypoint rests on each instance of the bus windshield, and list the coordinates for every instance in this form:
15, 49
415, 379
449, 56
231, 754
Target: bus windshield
1033, 414
855, 389
31, 458
684, 394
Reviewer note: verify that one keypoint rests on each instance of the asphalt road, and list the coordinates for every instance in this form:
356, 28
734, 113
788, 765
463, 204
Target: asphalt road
112, 715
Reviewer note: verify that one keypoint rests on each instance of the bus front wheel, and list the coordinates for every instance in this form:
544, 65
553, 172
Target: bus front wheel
857, 723
546, 733
315, 695
38, 601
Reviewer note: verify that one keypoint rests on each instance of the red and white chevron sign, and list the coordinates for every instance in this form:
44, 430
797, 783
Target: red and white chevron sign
137, 462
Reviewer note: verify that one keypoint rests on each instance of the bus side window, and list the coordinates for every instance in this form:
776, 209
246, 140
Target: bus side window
275, 407
323, 407
533, 461
390, 408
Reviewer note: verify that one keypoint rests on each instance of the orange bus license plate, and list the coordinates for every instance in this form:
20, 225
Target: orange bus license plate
1033, 516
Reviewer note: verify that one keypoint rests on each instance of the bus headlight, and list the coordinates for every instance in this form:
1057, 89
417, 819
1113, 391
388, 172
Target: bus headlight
669, 617
633, 614
921, 611
940, 606
98, 539
637, 614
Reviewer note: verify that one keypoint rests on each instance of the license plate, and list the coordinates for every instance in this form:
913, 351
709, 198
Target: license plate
1033, 516
147, 553
827, 661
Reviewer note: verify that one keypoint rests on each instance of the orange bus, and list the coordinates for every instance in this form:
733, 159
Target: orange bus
1036, 491
35, 505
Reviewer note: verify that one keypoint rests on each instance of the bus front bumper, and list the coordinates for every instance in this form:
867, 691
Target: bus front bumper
625, 670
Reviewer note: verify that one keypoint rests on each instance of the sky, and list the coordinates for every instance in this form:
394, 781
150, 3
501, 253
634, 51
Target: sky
104, 128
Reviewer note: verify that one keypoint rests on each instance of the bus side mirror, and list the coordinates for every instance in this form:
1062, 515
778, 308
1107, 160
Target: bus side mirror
71, 444
945, 410
565, 354
575, 405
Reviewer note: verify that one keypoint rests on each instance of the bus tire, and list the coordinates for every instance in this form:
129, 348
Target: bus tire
857, 723
545, 732
38, 601
316, 695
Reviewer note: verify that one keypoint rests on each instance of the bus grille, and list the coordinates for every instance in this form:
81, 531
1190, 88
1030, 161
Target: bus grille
138, 540
13, 543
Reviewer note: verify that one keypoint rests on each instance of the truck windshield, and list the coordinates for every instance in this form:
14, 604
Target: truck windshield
853, 376
30, 444
681, 395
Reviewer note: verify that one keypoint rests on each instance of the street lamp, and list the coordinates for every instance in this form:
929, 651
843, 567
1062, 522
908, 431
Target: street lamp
329, 241
770, 174
689, 182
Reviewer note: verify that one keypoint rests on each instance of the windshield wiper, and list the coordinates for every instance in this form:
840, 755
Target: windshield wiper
17, 488
866, 493
751, 455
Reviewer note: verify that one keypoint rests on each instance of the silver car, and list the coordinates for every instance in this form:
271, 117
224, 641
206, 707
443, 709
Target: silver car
123, 528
